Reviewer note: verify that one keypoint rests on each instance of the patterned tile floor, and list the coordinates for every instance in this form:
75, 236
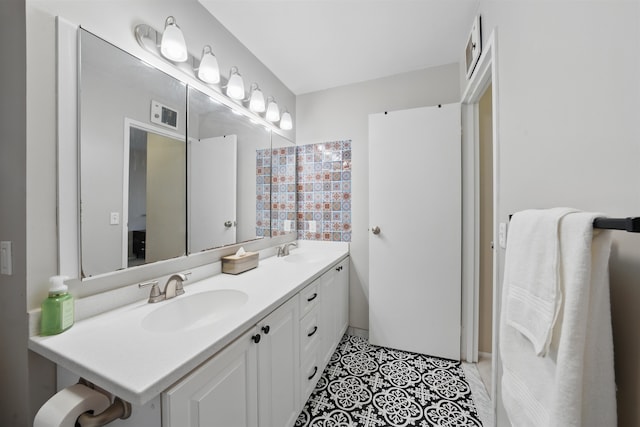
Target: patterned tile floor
370, 386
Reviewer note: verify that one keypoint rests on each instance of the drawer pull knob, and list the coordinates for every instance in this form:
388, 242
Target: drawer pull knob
256, 338
315, 371
315, 329
312, 297
266, 329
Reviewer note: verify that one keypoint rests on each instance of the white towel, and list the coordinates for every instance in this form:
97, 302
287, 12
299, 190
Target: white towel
574, 384
532, 275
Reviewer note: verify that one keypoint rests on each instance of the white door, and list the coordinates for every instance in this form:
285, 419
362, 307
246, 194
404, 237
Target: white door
415, 258
212, 192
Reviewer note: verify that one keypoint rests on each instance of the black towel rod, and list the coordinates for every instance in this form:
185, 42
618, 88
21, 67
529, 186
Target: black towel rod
630, 224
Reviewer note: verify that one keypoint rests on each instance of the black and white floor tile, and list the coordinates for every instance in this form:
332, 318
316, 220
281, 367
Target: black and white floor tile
370, 386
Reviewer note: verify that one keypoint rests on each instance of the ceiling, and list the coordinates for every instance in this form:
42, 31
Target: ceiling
311, 45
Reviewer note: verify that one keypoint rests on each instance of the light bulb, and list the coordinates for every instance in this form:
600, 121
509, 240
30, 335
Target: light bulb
256, 99
173, 46
273, 113
208, 71
285, 121
235, 86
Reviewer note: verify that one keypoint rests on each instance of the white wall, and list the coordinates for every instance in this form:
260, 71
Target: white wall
568, 75
343, 113
13, 227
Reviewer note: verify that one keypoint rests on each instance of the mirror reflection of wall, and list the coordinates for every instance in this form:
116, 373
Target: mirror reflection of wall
115, 87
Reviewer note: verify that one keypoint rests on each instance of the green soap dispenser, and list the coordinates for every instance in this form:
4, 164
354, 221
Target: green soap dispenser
58, 309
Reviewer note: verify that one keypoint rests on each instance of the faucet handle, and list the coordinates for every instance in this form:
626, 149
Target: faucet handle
155, 295
183, 277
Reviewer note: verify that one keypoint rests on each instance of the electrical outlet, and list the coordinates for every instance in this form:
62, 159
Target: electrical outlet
502, 235
287, 225
5, 258
312, 226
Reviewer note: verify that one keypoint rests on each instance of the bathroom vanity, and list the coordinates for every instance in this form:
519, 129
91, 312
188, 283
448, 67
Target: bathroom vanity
233, 350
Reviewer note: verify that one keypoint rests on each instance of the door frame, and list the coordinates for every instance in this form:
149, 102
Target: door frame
128, 124
486, 74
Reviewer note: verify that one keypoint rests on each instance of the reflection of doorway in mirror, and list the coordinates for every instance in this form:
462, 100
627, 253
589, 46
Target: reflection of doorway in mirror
154, 195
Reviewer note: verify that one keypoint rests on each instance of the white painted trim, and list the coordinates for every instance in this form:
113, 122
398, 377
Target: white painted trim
68, 224
486, 72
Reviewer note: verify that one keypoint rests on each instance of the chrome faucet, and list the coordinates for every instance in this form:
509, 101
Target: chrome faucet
172, 288
284, 249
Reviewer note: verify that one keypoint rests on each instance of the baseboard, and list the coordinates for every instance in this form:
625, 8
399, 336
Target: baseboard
363, 333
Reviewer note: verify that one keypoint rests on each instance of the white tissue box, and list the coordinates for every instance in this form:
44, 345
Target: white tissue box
236, 264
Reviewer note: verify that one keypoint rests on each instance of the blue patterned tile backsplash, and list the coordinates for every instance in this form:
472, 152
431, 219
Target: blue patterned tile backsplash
324, 191
315, 179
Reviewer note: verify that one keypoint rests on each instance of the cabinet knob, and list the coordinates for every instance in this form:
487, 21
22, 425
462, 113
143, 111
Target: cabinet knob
256, 338
375, 230
266, 329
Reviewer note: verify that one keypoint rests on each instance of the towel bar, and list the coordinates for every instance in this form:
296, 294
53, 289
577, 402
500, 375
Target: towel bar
630, 224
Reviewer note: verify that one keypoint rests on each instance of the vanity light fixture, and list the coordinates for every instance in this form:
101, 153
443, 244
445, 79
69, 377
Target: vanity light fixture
286, 123
256, 99
273, 113
170, 45
208, 70
173, 46
235, 85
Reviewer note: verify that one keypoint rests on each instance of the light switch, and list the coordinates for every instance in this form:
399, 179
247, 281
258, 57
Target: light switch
5, 258
287, 225
502, 235
312, 226
115, 218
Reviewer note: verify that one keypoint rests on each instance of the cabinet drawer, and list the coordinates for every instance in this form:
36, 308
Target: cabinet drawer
309, 298
311, 373
309, 333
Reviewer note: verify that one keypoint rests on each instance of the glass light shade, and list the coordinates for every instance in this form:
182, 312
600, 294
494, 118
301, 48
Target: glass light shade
256, 99
273, 113
235, 86
173, 46
285, 121
208, 71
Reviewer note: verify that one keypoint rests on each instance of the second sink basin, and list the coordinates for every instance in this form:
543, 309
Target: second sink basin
301, 258
189, 312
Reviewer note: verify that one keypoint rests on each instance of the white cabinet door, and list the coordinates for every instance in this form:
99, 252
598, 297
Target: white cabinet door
279, 366
334, 307
221, 393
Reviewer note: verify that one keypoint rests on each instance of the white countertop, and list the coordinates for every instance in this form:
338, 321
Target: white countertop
113, 351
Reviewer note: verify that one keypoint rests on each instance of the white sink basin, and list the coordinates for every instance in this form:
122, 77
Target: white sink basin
302, 258
187, 312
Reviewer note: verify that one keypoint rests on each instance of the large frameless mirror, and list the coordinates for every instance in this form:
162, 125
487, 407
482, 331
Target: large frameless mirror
165, 169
